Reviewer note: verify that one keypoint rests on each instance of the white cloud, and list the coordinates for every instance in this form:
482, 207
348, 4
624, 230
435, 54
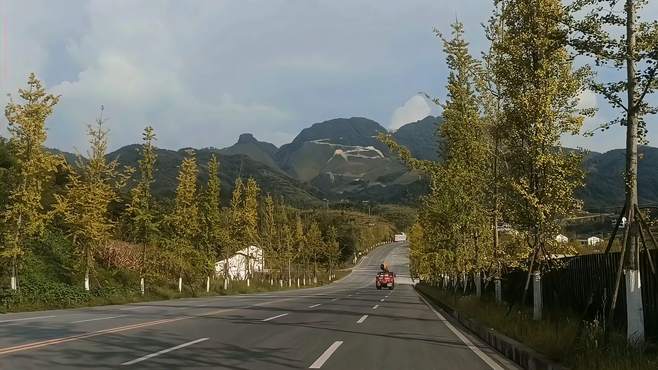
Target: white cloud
202, 72
587, 99
414, 109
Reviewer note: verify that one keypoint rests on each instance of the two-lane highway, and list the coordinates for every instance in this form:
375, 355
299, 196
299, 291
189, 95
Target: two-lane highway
346, 325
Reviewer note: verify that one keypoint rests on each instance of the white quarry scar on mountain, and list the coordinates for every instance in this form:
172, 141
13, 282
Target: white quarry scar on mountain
347, 151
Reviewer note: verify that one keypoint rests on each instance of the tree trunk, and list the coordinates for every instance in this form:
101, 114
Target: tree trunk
143, 269
14, 280
87, 278
635, 315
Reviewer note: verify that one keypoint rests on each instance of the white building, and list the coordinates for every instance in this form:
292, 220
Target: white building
401, 237
240, 264
561, 239
593, 240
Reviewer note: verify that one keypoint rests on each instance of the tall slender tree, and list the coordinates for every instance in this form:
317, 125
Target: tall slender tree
185, 221
616, 36
23, 216
268, 234
465, 155
315, 245
213, 231
236, 233
250, 220
332, 250
94, 184
539, 91
141, 211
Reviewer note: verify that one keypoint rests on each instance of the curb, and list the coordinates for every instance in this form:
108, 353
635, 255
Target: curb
521, 354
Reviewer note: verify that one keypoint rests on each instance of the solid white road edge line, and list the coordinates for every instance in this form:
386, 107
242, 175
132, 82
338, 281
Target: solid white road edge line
135, 308
144, 358
97, 319
488, 360
315, 305
362, 319
325, 356
27, 318
275, 317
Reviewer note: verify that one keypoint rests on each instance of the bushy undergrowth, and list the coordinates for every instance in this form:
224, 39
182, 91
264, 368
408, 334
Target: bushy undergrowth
555, 336
50, 280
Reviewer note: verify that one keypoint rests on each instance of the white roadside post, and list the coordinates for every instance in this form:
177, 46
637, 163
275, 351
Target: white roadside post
13, 283
634, 308
536, 288
87, 282
208, 284
141, 285
180, 284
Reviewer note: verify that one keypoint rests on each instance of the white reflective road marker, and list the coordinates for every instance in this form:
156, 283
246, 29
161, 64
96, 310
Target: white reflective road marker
315, 305
382, 300
334, 300
275, 317
488, 360
164, 351
27, 318
325, 356
375, 307
97, 319
362, 319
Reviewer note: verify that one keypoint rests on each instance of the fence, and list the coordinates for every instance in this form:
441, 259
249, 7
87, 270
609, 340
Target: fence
585, 285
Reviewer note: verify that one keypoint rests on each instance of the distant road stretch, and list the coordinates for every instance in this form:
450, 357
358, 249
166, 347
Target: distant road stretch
345, 325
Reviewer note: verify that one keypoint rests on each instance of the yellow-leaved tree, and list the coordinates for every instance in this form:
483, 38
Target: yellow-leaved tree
93, 185
23, 216
184, 222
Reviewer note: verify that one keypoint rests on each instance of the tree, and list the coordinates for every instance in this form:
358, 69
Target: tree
315, 245
185, 221
213, 231
538, 91
301, 247
94, 183
268, 233
32, 169
332, 250
465, 154
142, 215
235, 226
620, 39
250, 220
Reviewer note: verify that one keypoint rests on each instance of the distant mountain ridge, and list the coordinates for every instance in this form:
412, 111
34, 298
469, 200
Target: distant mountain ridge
342, 159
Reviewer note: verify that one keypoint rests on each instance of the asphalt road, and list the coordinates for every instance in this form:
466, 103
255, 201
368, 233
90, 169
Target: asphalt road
346, 325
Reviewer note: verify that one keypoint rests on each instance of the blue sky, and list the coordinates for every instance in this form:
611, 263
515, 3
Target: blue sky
202, 72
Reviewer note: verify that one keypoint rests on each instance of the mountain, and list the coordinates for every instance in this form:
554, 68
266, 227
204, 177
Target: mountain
604, 184
420, 138
342, 157
259, 151
231, 167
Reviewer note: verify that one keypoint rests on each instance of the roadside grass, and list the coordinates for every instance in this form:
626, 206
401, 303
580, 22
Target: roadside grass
555, 336
41, 297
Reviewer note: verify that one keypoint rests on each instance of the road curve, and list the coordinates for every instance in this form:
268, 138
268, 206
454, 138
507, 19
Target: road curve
346, 325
